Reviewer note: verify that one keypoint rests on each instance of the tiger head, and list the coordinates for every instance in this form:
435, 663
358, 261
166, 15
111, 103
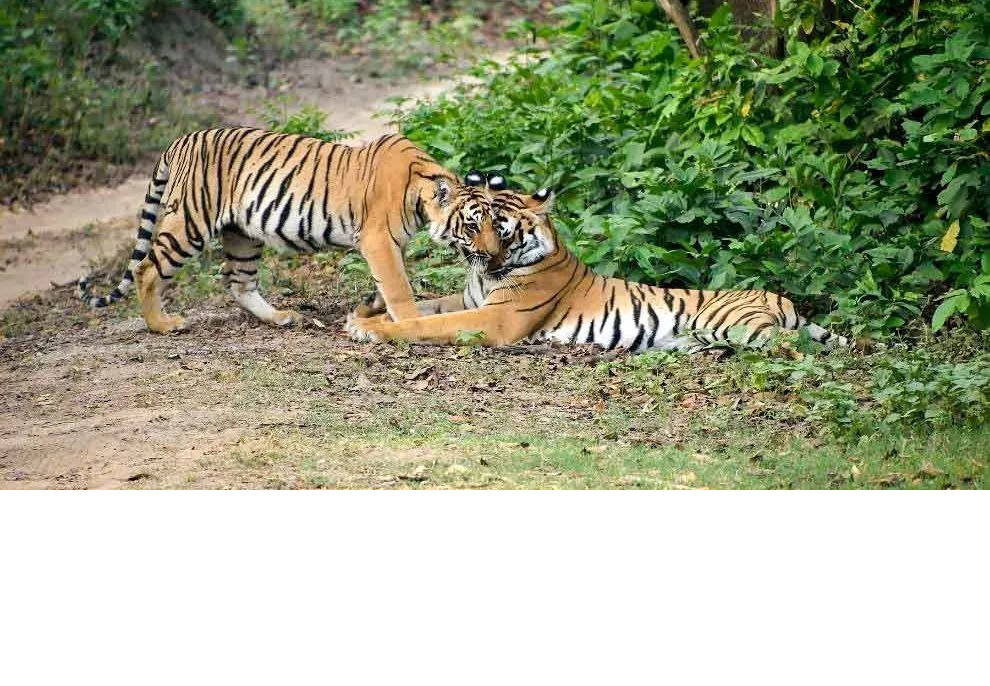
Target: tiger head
525, 229
461, 216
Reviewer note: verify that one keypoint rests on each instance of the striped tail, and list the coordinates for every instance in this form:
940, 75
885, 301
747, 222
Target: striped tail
823, 335
146, 227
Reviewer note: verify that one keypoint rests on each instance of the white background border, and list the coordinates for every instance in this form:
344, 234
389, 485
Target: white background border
494, 588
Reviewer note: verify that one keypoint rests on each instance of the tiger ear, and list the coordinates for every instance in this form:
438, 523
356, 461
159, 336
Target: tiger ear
474, 178
443, 191
497, 183
541, 202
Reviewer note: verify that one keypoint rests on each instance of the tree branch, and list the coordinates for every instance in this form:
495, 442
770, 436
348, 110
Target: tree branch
682, 20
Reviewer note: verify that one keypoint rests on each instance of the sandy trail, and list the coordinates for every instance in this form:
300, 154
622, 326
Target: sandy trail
55, 241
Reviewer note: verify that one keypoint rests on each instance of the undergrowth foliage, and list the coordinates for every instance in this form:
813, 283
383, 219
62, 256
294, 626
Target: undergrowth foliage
852, 173
902, 391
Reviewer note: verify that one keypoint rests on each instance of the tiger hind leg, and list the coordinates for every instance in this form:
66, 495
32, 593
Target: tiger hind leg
240, 271
172, 247
824, 336
373, 305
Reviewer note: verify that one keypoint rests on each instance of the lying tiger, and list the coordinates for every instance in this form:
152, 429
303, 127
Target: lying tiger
254, 188
536, 289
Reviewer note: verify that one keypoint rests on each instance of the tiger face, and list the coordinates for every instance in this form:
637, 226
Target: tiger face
464, 220
524, 231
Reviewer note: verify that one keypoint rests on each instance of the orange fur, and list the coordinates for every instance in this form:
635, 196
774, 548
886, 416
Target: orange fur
253, 188
537, 289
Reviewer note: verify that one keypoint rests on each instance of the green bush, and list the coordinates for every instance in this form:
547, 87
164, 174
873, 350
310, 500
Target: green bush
902, 391
65, 92
851, 173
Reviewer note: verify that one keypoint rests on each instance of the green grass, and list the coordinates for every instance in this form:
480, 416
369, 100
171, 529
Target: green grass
499, 421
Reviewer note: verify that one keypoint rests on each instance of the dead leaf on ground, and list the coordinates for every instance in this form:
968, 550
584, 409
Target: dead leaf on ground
418, 474
692, 401
423, 378
928, 471
417, 373
893, 479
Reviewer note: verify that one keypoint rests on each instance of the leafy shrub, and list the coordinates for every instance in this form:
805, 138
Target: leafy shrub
66, 93
308, 121
330, 11
900, 391
851, 173
228, 14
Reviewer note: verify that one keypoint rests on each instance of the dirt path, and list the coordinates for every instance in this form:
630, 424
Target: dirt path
91, 400
55, 241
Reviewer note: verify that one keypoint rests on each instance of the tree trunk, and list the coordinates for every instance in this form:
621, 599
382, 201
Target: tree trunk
755, 16
682, 20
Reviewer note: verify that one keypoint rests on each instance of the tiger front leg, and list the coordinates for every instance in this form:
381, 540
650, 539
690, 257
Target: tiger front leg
376, 307
493, 325
388, 269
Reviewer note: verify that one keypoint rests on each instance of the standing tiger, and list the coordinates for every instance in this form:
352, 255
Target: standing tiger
537, 289
256, 188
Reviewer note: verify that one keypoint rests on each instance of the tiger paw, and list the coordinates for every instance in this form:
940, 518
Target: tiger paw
362, 329
167, 323
286, 317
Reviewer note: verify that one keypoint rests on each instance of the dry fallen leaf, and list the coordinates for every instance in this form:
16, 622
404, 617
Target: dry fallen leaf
318, 324
950, 238
422, 371
928, 471
363, 383
418, 474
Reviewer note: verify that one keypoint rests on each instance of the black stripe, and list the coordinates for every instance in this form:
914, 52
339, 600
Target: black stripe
656, 324
557, 294
251, 258
677, 317
637, 308
154, 260
616, 330
170, 259
560, 321
757, 331
668, 299
174, 244
638, 339
574, 335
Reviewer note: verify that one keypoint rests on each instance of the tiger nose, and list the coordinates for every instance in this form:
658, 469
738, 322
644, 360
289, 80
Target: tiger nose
480, 259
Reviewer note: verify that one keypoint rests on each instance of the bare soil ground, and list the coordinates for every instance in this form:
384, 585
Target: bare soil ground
96, 402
